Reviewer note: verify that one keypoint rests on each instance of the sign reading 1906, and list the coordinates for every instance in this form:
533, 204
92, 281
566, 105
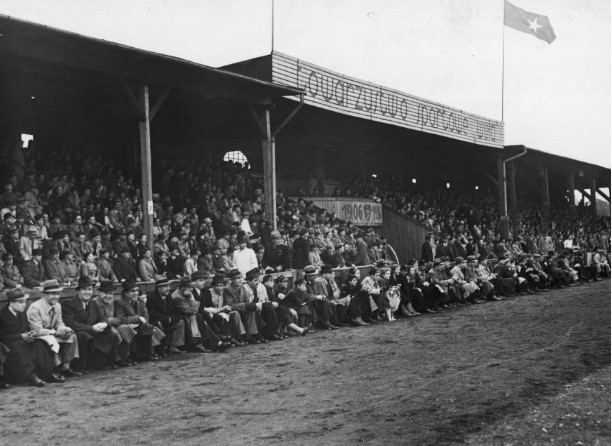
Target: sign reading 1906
360, 212
366, 214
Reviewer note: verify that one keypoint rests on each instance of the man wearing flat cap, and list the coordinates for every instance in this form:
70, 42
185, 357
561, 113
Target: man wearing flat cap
235, 296
325, 285
163, 315
102, 311
220, 317
131, 309
46, 323
278, 256
323, 308
29, 359
93, 334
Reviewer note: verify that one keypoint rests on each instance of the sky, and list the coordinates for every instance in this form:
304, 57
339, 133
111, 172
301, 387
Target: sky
556, 97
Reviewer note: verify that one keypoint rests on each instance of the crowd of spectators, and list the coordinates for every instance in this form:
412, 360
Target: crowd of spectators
73, 220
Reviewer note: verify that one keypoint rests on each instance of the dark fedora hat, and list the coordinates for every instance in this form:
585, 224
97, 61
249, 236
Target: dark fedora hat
107, 286
16, 294
84, 282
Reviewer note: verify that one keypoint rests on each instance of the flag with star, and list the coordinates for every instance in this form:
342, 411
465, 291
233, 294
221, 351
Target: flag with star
535, 24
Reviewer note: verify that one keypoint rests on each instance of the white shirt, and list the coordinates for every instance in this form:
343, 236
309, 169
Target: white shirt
245, 260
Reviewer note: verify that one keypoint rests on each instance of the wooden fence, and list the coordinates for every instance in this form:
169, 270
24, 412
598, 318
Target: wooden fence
404, 234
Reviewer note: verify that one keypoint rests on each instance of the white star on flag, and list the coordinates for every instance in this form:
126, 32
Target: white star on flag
534, 25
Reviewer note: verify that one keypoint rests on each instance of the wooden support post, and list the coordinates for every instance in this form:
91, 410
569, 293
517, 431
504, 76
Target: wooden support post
513, 197
269, 168
593, 196
503, 202
145, 163
545, 198
571, 188
501, 186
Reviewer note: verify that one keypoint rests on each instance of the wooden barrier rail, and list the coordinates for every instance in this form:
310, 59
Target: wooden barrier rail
145, 287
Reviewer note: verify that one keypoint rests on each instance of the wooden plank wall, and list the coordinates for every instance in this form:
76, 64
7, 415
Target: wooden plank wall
405, 235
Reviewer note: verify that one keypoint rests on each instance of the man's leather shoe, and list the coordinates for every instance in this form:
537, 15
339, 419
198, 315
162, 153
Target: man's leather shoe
175, 351
306, 329
57, 378
70, 373
153, 357
199, 349
221, 347
35, 380
359, 322
252, 340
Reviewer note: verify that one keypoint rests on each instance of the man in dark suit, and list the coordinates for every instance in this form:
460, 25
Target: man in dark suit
443, 249
131, 309
427, 252
362, 257
301, 248
91, 334
33, 271
28, 359
163, 315
125, 267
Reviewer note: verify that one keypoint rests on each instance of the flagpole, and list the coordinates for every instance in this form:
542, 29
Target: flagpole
272, 26
503, 57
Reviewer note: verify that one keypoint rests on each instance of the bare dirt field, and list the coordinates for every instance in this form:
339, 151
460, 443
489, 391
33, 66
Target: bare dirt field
527, 370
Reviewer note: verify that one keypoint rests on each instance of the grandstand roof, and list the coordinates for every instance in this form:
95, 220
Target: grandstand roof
21, 40
583, 171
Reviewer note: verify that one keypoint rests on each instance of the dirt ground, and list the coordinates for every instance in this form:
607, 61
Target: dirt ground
527, 370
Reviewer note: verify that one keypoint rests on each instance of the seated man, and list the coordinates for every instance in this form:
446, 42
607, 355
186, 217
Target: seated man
103, 310
302, 303
28, 359
258, 294
468, 289
54, 268
10, 273
131, 309
92, 334
125, 267
46, 323
163, 315
235, 297
325, 312
325, 285
199, 335
219, 317
33, 270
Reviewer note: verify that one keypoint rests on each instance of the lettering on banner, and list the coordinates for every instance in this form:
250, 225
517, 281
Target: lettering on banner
486, 130
325, 87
